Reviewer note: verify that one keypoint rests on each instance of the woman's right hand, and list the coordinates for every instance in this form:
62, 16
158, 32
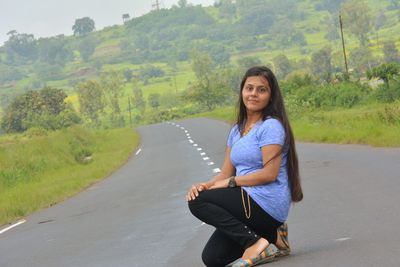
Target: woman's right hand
195, 190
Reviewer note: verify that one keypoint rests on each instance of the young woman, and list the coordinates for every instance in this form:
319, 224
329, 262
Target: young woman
248, 201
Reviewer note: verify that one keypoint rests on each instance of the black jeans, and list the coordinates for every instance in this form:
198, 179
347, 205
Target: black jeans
223, 209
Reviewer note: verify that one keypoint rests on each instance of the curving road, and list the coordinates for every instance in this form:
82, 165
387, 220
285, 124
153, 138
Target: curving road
138, 216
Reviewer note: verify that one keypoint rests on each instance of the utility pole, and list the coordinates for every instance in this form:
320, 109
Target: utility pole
344, 48
156, 5
130, 112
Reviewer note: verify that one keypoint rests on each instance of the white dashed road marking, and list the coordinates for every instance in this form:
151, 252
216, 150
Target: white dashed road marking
210, 163
216, 170
137, 153
342, 239
12, 226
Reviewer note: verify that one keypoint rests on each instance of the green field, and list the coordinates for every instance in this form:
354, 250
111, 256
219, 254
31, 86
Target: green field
39, 171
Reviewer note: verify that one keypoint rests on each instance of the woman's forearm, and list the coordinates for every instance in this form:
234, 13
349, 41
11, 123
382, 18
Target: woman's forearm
218, 177
260, 177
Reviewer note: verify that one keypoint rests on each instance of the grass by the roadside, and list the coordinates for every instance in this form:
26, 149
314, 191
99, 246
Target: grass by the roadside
373, 124
39, 171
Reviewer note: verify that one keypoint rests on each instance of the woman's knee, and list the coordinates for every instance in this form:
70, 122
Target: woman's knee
194, 205
210, 259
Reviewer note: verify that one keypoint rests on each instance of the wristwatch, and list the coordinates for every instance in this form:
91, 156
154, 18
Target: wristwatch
232, 182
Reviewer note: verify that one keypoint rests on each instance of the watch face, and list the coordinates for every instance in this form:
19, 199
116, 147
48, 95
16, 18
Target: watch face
232, 182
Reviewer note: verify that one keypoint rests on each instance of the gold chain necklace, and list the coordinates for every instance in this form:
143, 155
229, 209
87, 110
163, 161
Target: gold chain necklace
247, 212
245, 132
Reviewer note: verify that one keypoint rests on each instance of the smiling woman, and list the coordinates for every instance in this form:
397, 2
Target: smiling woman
248, 201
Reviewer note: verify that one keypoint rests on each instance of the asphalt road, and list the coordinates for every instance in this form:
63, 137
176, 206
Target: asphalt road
139, 217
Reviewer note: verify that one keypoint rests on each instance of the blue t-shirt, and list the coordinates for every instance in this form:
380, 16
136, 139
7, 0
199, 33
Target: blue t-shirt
246, 157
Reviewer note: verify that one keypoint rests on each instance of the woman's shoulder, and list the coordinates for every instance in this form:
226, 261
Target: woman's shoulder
271, 122
234, 130
235, 127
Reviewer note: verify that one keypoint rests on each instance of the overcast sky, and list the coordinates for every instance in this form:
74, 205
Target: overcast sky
45, 18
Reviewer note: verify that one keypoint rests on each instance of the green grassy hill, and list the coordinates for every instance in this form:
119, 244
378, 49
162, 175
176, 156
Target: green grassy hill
164, 40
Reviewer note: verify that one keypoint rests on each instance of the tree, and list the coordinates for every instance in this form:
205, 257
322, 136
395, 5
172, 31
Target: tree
44, 108
361, 59
380, 20
154, 100
321, 64
394, 4
332, 33
54, 50
218, 54
204, 91
138, 100
111, 84
286, 33
247, 62
356, 19
182, 3
282, 66
91, 101
254, 15
12, 32
385, 72
128, 75
332, 6
390, 51
125, 17
83, 26
227, 10
21, 44
86, 47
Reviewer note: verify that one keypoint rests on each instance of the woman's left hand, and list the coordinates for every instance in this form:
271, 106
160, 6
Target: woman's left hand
220, 184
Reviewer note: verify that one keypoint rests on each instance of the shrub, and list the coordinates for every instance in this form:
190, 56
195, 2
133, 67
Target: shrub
346, 94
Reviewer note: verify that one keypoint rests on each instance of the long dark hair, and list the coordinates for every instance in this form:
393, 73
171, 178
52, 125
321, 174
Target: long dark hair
276, 109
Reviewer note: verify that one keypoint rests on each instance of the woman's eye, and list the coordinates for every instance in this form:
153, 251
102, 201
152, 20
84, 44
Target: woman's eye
262, 89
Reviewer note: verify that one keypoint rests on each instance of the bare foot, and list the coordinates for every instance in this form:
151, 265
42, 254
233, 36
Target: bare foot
256, 249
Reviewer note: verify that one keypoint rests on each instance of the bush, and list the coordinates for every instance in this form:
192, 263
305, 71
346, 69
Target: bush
36, 131
43, 109
346, 94
164, 115
388, 94
390, 114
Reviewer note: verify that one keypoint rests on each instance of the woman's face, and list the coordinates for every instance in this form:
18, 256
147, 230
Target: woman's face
256, 93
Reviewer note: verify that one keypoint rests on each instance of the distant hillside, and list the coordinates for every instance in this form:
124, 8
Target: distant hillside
227, 31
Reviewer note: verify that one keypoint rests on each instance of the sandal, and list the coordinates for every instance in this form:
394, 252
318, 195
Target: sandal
267, 255
283, 233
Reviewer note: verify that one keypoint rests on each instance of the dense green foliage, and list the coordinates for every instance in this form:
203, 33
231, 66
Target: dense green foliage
83, 26
44, 109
